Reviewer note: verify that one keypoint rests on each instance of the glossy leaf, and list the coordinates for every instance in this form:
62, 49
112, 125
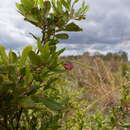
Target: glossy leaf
47, 7
62, 36
45, 53
28, 75
25, 53
27, 3
72, 27
12, 57
34, 58
60, 51
21, 9
66, 4
3, 54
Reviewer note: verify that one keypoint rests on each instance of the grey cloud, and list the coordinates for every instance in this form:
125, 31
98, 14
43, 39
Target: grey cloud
108, 22
13, 30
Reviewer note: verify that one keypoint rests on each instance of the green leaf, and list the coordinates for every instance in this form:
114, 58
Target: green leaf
66, 4
60, 51
59, 7
69, 2
3, 54
53, 62
76, 1
25, 53
47, 7
57, 70
31, 18
127, 99
55, 6
20, 8
28, 75
54, 42
82, 11
72, 27
27, 3
50, 103
39, 42
125, 125
41, 2
45, 53
12, 57
85, 9
62, 36
34, 58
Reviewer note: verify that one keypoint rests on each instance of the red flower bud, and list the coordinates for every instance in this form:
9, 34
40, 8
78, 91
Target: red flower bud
68, 67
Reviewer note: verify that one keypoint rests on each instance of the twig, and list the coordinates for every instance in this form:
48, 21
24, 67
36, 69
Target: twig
19, 116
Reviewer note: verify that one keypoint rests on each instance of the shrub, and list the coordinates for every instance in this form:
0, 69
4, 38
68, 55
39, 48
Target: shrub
27, 98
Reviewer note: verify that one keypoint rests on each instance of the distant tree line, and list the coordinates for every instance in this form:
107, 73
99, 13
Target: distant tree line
118, 56
121, 55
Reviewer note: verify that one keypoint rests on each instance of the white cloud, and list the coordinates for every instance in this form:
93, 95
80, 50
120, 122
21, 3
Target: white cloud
13, 30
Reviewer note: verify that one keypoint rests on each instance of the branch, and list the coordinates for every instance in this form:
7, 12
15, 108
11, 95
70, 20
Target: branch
18, 119
43, 36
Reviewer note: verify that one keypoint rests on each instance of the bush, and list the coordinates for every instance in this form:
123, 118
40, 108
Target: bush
28, 99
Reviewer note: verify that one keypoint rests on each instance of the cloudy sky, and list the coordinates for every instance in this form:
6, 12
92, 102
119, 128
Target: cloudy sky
107, 28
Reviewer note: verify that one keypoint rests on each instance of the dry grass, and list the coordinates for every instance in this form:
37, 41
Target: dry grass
102, 80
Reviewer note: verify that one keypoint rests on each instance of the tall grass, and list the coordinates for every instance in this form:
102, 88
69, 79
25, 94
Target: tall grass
94, 85
101, 79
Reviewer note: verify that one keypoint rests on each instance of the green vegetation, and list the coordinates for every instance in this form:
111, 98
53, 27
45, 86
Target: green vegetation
39, 92
105, 93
